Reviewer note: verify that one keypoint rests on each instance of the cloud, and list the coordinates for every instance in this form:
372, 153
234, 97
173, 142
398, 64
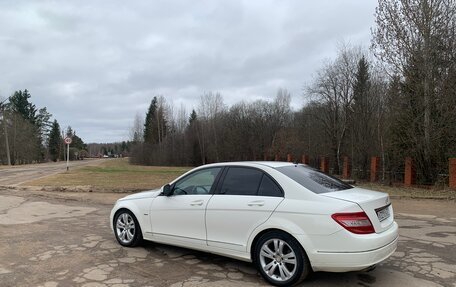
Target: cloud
95, 64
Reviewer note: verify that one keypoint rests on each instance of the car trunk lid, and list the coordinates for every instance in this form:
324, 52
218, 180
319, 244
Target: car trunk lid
375, 204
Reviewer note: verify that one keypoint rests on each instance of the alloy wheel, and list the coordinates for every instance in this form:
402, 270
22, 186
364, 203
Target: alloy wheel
125, 228
278, 259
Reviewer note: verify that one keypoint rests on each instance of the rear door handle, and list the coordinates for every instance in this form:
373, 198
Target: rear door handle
197, 203
256, 203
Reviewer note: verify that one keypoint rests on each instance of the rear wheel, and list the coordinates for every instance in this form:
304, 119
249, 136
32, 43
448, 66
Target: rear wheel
126, 228
280, 259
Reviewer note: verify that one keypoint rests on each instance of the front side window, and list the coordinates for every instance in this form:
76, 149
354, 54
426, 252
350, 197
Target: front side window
312, 179
199, 182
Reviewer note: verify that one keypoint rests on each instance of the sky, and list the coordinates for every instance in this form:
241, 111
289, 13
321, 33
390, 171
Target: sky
96, 64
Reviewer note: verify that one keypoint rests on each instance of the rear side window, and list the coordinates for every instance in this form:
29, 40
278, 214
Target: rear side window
241, 181
312, 179
269, 188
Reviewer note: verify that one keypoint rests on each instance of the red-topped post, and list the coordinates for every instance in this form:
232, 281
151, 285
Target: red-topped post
375, 163
346, 173
324, 164
289, 158
452, 173
410, 172
305, 159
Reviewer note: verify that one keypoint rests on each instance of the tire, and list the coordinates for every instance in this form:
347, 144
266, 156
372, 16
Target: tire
281, 259
126, 229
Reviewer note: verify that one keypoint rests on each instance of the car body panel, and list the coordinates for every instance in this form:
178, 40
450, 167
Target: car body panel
351, 261
369, 201
230, 219
185, 211
227, 225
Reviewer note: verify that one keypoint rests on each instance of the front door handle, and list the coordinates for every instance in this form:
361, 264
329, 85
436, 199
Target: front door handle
197, 203
256, 203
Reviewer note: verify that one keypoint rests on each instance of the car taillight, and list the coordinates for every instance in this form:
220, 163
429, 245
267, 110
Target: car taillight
356, 222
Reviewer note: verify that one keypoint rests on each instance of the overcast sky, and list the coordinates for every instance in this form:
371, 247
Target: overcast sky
95, 64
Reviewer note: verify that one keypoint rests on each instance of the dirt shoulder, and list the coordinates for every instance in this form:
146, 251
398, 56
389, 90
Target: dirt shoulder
439, 208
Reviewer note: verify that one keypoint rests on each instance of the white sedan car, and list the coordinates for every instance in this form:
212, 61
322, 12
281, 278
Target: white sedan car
288, 219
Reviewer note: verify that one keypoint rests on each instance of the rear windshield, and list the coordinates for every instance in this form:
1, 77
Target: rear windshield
312, 179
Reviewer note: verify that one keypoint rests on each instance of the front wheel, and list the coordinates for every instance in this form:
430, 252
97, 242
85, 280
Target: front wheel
126, 228
280, 259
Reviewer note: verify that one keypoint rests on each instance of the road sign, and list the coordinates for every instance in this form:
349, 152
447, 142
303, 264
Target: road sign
68, 141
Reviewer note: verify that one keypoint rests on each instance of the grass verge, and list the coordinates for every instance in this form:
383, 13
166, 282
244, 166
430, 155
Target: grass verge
411, 192
112, 175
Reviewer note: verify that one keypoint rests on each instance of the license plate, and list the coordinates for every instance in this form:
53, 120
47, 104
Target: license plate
383, 213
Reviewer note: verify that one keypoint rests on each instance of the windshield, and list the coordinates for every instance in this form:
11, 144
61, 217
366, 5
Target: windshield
312, 179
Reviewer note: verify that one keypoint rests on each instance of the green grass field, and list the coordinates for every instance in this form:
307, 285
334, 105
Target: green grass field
112, 175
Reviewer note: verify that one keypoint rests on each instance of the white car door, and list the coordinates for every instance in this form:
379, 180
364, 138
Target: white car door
180, 217
244, 200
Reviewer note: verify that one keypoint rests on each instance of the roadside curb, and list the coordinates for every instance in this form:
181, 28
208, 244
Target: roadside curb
62, 189
422, 197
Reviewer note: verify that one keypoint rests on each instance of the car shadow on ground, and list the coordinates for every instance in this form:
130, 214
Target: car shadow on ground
250, 274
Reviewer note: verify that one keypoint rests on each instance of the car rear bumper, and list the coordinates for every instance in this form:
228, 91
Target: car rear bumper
352, 261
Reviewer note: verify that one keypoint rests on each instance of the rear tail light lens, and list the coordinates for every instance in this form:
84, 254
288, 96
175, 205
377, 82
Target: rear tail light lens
355, 222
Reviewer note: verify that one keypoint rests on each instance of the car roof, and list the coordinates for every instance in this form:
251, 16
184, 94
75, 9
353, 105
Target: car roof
272, 164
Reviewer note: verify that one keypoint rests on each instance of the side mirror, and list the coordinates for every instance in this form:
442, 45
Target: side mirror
167, 190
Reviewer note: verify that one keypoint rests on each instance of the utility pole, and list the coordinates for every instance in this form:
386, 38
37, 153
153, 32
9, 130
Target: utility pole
2, 106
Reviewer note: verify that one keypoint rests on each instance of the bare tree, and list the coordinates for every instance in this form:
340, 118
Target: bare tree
333, 88
210, 107
136, 133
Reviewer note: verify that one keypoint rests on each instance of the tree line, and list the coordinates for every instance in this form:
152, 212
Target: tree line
396, 99
116, 149
28, 135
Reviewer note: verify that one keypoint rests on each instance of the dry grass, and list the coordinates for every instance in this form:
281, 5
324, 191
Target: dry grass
111, 175
412, 192
119, 175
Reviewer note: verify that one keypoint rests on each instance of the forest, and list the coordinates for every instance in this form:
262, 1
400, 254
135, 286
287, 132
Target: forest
394, 100
28, 135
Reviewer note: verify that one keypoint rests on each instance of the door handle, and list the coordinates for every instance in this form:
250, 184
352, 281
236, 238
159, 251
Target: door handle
256, 203
197, 203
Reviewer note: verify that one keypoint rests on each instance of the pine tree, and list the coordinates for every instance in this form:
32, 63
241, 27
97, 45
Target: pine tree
193, 117
151, 125
362, 130
19, 103
54, 141
77, 142
69, 132
43, 122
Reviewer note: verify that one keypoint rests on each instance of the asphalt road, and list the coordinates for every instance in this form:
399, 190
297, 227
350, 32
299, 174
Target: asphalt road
16, 175
62, 239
